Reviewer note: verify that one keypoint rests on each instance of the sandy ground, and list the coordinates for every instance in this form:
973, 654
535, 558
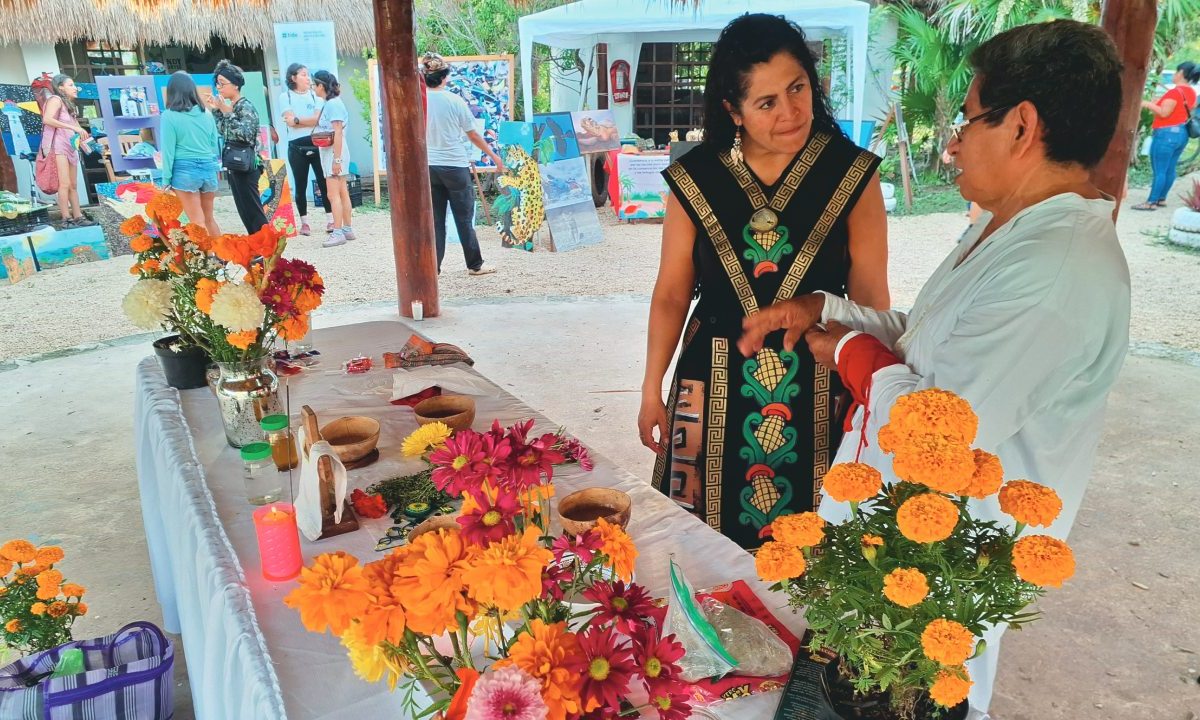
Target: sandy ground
82, 304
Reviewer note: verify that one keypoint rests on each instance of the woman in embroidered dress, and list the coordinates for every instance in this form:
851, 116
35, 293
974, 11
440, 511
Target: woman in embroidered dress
775, 203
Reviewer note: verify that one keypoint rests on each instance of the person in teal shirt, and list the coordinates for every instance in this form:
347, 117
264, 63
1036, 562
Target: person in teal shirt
188, 142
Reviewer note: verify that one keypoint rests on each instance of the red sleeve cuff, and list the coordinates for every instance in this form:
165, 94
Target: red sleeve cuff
858, 360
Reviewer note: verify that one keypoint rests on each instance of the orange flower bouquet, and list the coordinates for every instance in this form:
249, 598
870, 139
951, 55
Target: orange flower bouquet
495, 616
904, 590
231, 295
37, 608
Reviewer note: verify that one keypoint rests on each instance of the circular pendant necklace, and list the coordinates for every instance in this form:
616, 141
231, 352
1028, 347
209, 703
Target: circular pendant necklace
764, 220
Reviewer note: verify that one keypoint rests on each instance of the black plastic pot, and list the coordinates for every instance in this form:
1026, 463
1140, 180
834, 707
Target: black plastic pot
184, 369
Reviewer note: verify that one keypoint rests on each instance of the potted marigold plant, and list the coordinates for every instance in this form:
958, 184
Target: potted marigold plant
904, 589
495, 617
37, 608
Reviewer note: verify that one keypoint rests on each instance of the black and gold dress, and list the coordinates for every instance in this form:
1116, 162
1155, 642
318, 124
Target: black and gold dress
751, 438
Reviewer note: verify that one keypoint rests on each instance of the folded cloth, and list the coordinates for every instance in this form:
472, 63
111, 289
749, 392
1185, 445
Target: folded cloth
451, 380
418, 352
308, 500
414, 399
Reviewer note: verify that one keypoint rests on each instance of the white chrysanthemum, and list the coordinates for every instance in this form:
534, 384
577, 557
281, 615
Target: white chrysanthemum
236, 307
147, 303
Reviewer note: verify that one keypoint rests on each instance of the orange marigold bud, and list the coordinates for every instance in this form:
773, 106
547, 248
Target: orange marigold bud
13, 625
1030, 503
927, 518
57, 609
1043, 560
38, 608
80, 608
947, 642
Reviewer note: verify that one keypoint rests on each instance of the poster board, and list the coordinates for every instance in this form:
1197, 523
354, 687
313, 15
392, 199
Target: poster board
312, 44
520, 209
643, 189
485, 82
596, 131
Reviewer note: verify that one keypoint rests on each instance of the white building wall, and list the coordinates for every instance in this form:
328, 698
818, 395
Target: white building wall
39, 58
12, 65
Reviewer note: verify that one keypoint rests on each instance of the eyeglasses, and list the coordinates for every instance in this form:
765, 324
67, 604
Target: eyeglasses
957, 128
222, 82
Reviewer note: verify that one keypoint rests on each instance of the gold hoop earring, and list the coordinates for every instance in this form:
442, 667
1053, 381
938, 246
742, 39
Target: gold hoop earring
735, 152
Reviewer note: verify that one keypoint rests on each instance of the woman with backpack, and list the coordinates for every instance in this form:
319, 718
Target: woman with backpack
188, 142
237, 122
301, 111
1170, 136
60, 117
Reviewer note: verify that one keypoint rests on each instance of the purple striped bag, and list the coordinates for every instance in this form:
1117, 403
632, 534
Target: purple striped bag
129, 675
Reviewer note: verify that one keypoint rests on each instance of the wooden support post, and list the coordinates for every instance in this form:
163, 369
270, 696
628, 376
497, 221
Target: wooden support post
1131, 24
407, 165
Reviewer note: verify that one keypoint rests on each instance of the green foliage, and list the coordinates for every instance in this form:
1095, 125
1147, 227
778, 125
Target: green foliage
360, 85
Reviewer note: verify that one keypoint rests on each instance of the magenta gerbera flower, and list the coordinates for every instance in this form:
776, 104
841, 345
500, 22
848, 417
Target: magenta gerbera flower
657, 657
624, 606
506, 694
609, 669
553, 579
460, 465
584, 546
574, 451
492, 520
670, 704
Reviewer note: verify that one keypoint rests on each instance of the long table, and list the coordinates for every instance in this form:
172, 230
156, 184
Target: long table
248, 656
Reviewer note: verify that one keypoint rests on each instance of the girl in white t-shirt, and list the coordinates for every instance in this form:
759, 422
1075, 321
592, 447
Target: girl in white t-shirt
335, 160
300, 108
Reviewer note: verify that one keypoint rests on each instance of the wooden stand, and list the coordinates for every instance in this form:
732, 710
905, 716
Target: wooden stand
330, 528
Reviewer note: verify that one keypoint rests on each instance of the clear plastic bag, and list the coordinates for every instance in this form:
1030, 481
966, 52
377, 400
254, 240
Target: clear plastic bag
759, 651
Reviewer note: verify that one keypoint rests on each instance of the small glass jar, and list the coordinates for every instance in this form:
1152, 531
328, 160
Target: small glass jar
283, 444
262, 479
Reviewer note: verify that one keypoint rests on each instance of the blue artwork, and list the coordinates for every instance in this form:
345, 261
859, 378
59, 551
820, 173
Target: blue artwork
59, 248
486, 84
16, 258
554, 138
517, 133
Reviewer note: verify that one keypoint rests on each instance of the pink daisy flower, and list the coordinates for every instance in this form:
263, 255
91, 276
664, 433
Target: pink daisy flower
531, 459
506, 694
491, 520
553, 579
657, 657
584, 546
624, 606
460, 465
670, 704
609, 668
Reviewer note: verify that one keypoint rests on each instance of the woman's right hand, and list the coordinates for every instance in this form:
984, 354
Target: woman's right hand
653, 414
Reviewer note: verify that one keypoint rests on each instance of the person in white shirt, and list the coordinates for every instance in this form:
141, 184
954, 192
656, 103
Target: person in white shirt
300, 110
1028, 318
448, 122
335, 159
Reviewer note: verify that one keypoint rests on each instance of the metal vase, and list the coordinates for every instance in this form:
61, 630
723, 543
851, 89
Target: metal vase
246, 392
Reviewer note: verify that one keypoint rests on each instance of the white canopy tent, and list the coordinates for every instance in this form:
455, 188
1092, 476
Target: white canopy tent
626, 24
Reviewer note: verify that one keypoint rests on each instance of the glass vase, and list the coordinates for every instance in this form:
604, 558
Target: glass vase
247, 391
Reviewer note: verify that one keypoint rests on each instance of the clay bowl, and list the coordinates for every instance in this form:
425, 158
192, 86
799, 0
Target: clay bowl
352, 437
437, 522
579, 511
457, 411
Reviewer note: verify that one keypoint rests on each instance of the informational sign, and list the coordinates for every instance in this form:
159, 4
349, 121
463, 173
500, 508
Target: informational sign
643, 189
311, 44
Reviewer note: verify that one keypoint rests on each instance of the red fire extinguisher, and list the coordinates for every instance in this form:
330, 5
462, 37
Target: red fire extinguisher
619, 87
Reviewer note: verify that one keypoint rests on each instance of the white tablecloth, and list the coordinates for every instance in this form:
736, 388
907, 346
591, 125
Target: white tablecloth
248, 656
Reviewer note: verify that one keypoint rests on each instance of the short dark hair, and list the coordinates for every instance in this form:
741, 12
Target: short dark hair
182, 94
292, 71
436, 78
1191, 72
748, 41
230, 72
1037, 63
329, 81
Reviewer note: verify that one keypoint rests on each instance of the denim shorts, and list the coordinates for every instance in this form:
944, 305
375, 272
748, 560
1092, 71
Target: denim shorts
195, 175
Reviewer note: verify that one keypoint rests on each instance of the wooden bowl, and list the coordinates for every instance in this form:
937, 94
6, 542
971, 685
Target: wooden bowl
580, 510
352, 437
437, 522
457, 411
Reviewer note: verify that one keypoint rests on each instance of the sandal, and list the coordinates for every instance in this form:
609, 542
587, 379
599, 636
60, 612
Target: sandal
1145, 206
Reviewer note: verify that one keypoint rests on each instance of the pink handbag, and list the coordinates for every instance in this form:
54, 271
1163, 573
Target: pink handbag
45, 171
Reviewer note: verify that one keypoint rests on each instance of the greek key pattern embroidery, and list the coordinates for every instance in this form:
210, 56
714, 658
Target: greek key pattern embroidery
821, 419
660, 464
841, 198
691, 193
690, 333
714, 453
791, 183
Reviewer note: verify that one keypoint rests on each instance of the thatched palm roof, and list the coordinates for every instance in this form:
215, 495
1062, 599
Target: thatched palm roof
180, 22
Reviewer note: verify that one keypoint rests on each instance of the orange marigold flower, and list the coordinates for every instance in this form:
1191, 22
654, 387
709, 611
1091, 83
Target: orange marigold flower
49, 555
164, 208
852, 482
927, 518
199, 236
49, 578
47, 592
384, 618
80, 608
802, 530
871, 541
135, 225
551, 655
73, 590
13, 625
57, 609
38, 608
429, 581
1043, 560
242, 340
932, 412
332, 592
136, 269
30, 570
776, 561
151, 265
889, 438
617, 545
233, 248
950, 686
988, 476
1030, 503
6, 566
21, 551
294, 328
206, 290
508, 573
141, 243
905, 586
937, 462
947, 642
307, 301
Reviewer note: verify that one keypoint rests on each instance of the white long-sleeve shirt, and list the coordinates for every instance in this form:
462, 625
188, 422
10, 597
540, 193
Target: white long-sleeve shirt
1032, 329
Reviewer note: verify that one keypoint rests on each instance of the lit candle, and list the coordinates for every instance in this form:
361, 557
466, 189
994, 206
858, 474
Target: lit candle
278, 541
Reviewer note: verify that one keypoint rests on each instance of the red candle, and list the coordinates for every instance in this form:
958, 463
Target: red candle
278, 541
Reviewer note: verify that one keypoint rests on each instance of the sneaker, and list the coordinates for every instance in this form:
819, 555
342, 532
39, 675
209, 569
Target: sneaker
305, 229
329, 228
335, 238
482, 270
349, 233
